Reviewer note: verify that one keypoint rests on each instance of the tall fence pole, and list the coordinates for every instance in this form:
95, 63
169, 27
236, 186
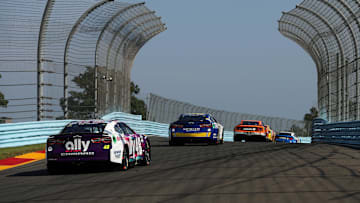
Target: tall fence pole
40, 79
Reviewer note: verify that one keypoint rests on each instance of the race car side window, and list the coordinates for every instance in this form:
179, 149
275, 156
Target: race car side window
129, 129
214, 119
126, 129
118, 129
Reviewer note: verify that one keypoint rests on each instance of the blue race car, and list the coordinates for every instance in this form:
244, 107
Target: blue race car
196, 128
286, 137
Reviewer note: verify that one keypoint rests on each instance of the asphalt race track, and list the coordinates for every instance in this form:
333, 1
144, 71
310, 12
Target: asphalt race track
233, 172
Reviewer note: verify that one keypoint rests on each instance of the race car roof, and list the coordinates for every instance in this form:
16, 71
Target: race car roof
85, 122
195, 114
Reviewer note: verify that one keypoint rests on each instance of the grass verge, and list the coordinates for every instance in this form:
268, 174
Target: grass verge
15, 151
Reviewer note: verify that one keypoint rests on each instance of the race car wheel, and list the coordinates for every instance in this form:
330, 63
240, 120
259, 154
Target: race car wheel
146, 160
147, 155
51, 168
213, 142
125, 161
222, 139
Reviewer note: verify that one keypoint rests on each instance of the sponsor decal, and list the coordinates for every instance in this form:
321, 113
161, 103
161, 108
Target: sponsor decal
250, 129
77, 154
117, 154
106, 146
50, 149
191, 129
77, 147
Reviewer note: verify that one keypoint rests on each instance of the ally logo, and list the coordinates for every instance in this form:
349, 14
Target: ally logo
77, 145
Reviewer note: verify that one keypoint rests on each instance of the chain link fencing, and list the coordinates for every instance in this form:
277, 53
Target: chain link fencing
63, 59
329, 31
165, 110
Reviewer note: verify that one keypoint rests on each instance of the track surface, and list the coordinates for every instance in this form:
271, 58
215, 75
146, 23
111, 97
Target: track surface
233, 172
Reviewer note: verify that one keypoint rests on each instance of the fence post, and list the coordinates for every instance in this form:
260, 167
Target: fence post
40, 79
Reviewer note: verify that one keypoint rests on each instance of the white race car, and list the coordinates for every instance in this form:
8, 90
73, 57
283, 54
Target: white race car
97, 141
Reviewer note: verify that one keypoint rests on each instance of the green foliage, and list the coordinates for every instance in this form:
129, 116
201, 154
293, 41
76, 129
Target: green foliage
314, 113
134, 89
300, 132
3, 101
81, 104
308, 118
138, 106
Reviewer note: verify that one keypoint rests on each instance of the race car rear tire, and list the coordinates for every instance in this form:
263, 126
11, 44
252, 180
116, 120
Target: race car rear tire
147, 155
222, 139
56, 168
146, 160
213, 142
125, 161
51, 168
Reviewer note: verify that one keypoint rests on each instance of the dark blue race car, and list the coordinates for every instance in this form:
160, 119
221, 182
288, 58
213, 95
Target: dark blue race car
196, 127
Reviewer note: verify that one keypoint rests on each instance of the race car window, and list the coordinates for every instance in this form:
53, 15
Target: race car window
288, 134
118, 129
213, 119
126, 129
192, 118
250, 123
282, 137
86, 128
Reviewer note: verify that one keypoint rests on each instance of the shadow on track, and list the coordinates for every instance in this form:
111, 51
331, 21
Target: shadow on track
70, 171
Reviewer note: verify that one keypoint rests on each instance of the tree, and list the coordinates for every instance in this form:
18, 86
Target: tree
81, 104
3, 101
299, 131
138, 106
309, 117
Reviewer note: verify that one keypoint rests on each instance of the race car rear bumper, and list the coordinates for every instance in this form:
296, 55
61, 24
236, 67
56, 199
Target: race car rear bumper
250, 137
182, 140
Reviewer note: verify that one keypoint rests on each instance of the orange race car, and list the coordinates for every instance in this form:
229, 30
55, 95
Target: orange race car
250, 130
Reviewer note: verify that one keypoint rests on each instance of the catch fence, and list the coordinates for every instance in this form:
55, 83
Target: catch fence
63, 59
165, 110
329, 31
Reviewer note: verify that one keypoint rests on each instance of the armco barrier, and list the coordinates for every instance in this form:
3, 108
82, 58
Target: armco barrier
336, 133
26, 133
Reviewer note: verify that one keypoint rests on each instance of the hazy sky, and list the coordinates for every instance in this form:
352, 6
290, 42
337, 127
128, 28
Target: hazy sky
227, 55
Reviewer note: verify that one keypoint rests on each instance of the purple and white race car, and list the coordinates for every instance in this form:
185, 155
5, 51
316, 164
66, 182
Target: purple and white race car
97, 141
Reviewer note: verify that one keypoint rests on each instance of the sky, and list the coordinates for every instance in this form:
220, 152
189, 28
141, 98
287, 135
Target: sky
227, 55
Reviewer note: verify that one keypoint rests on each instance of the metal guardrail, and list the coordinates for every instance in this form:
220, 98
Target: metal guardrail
336, 133
27, 133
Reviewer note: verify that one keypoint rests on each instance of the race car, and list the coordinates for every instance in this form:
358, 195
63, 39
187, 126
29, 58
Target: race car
270, 134
196, 127
97, 141
250, 130
287, 137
